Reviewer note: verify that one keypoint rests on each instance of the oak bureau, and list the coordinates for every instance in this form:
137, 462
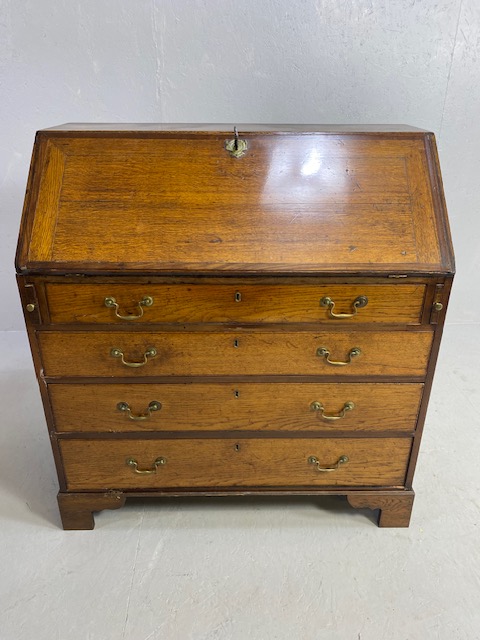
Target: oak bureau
234, 311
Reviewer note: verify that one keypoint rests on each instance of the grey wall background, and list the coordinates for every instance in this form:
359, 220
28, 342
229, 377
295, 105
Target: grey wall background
308, 61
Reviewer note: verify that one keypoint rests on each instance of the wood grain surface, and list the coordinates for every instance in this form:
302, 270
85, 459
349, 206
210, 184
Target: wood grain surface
182, 203
85, 303
237, 254
231, 406
76, 510
97, 464
395, 508
88, 353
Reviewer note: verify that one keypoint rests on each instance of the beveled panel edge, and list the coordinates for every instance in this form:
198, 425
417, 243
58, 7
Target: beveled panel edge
230, 327
228, 278
320, 378
31, 193
233, 327
43, 147
231, 269
393, 490
285, 490
440, 207
233, 434
46, 204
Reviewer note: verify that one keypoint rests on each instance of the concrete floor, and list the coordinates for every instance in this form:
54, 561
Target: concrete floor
244, 569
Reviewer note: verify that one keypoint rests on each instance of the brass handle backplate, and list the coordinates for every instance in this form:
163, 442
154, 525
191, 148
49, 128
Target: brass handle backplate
153, 406
337, 465
236, 147
111, 303
318, 406
133, 464
323, 352
358, 303
149, 353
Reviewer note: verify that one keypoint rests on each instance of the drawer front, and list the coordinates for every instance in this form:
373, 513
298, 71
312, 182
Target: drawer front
229, 406
181, 353
114, 464
199, 303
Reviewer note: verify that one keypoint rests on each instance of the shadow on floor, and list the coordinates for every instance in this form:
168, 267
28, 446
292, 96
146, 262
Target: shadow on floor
312, 507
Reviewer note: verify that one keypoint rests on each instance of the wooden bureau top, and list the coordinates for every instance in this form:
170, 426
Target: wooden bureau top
171, 199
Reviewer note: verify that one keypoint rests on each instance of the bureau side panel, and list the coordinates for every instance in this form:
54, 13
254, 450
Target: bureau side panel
29, 294
439, 319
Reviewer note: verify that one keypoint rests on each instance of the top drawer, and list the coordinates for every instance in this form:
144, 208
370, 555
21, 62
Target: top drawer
235, 303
